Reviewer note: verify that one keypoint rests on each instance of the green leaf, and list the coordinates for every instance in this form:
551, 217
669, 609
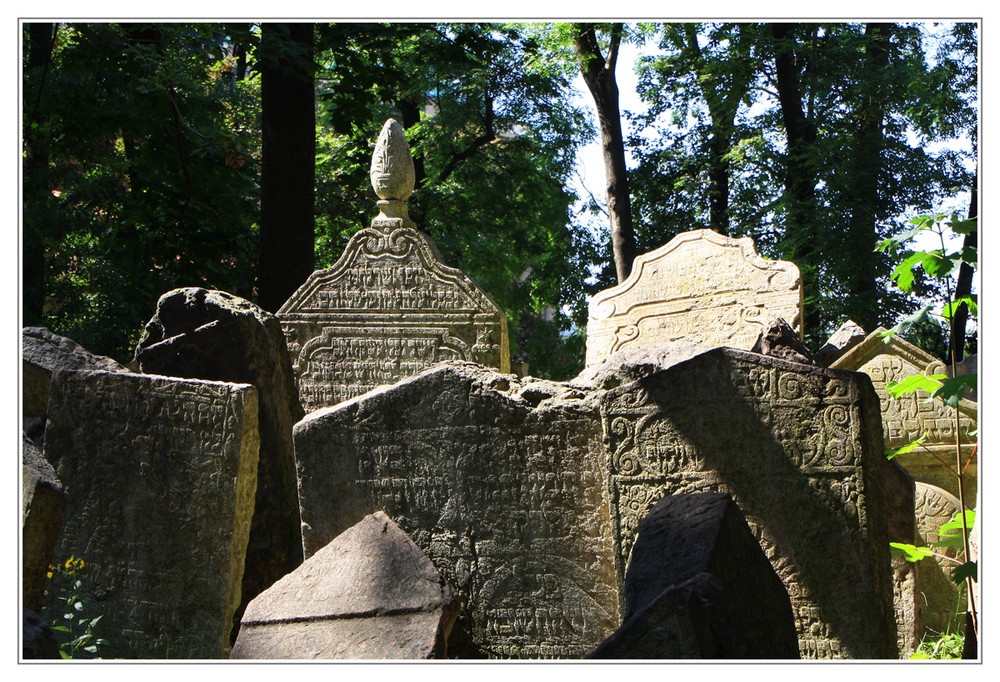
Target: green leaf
905, 324
903, 449
953, 390
967, 570
64, 655
965, 226
903, 273
915, 382
952, 307
939, 266
956, 523
61, 628
910, 552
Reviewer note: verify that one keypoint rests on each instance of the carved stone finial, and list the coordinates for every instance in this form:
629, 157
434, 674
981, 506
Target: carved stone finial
392, 176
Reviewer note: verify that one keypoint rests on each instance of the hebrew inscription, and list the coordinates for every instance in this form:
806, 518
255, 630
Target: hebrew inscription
387, 310
943, 600
508, 500
160, 476
907, 418
799, 450
701, 287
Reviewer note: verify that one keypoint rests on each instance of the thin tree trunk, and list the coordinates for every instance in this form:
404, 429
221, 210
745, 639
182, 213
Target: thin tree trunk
964, 285
287, 222
599, 75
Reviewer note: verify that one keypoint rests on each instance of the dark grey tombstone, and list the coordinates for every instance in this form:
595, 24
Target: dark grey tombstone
684, 536
37, 639
42, 505
202, 334
799, 448
369, 594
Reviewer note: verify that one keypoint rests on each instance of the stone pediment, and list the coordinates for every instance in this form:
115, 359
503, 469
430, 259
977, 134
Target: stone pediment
701, 287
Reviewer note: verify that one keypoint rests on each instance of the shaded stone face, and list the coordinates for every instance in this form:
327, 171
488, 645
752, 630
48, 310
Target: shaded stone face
907, 418
388, 309
369, 594
701, 287
42, 505
159, 476
499, 481
943, 600
799, 449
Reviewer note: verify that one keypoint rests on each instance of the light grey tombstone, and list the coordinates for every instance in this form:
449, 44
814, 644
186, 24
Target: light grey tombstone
159, 475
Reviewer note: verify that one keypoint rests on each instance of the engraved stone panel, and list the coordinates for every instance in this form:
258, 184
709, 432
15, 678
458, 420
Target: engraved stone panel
700, 287
907, 418
799, 449
943, 600
499, 481
159, 475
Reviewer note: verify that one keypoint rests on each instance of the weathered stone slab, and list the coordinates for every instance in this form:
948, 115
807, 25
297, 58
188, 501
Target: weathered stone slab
159, 475
685, 536
700, 287
42, 353
370, 593
499, 481
847, 336
201, 334
778, 340
799, 449
906, 601
907, 418
42, 505
389, 307
942, 599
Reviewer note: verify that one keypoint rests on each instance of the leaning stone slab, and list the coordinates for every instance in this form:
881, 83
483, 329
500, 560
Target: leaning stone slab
700, 287
370, 593
500, 481
799, 449
201, 334
907, 418
390, 307
703, 534
42, 353
42, 505
159, 475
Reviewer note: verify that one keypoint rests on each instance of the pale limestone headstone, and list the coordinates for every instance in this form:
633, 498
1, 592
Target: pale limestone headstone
500, 481
907, 418
369, 594
389, 307
799, 449
942, 599
700, 287
159, 475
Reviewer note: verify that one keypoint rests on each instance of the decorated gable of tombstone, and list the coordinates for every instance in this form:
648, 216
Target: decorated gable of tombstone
701, 287
389, 307
799, 450
159, 475
907, 418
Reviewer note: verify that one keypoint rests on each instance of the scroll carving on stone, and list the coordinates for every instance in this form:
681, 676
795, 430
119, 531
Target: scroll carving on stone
701, 287
389, 307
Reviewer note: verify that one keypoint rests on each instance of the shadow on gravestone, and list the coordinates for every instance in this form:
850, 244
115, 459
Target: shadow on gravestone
201, 334
42, 505
698, 585
799, 449
900, 505
369, 594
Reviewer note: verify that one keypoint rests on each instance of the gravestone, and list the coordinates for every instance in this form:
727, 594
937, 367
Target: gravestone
389, 307
196, 333
700, 287
500, 481
684, 537
369, 594
906, 600
159, 475
847, 336
799, 449
42, 505
943, 599
907, 418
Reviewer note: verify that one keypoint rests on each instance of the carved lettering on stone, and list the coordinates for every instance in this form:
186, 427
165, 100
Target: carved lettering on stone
799, 450
160, 475
701, 287
943, 600
907, 418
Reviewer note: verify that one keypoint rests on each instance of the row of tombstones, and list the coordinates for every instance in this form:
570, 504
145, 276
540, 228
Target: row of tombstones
528, 496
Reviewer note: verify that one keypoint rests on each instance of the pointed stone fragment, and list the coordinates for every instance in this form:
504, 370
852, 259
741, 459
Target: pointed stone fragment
371, 593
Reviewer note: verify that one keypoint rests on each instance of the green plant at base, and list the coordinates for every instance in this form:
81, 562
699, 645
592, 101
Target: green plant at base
75, 627
941, 265
945, 647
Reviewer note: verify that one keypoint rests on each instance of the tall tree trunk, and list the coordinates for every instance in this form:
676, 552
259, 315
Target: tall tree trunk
800, 170
862, 287
36, 188
963, 287
287, 222
599, 75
